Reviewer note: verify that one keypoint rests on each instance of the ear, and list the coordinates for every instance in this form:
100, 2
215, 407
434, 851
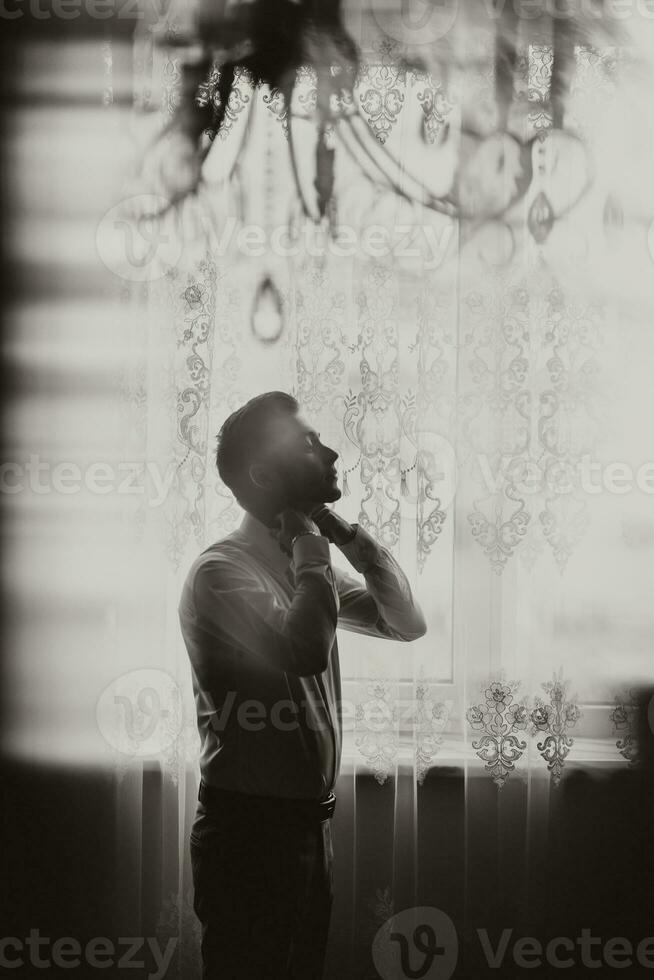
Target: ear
259, 476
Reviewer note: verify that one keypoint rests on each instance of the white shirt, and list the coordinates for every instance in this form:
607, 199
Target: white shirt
260, 630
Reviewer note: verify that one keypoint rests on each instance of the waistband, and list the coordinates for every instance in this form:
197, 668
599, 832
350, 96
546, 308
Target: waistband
223, 799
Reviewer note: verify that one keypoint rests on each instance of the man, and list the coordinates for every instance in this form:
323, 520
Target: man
259, 612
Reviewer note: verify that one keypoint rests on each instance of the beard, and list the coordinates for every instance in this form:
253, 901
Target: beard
305, 495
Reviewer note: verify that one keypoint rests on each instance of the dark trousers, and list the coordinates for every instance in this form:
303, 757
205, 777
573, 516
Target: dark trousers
263, 890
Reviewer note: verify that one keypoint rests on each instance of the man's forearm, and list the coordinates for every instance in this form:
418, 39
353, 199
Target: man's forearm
313, 615
386, 583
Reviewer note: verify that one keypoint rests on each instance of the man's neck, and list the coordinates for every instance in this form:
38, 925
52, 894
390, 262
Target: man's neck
263, 514
268, 515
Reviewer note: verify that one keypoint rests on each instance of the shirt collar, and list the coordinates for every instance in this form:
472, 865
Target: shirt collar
260, 539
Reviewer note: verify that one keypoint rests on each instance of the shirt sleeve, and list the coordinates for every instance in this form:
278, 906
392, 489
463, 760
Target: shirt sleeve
233, 606
385, 606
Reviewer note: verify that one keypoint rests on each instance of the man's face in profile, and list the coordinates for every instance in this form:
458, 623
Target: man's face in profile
302, 467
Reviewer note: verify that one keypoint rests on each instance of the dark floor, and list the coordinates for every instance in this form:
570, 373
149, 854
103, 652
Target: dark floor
592, 866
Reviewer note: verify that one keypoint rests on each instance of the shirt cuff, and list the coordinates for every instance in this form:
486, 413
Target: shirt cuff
311, 549
362, 551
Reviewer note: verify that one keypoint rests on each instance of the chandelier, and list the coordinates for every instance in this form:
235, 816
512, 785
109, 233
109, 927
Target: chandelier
308, 64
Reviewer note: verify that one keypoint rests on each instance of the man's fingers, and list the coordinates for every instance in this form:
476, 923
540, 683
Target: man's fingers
320, 512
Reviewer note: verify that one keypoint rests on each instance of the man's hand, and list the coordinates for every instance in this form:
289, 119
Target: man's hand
289, 523
337, 529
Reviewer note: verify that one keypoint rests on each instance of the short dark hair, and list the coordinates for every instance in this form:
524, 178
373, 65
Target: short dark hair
243, 435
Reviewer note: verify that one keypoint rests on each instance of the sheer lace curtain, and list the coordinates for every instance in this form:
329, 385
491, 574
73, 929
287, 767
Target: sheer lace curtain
463, 397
